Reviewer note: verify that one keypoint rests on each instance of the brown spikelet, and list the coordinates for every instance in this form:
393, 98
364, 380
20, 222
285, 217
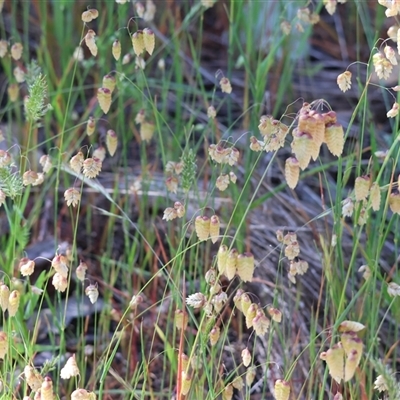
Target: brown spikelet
104, 99
116, 50
245, 267
202, 227
292, 172
111, 142
13, 91
334, 139
149, 40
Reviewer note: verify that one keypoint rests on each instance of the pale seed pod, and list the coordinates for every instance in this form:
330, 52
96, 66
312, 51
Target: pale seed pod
282, 390
211, 112
45, 162
3, 345
250, 375
334, 139
245, 303
232, 177
109, 82
104, 99
72, 197
26, 266
225, 85
289, 238
140, 117
70, 369
19, 74
92, 167
231, 264
161, 64
149, 40
29, 177
81, 271
219, 301
347, 207
12, 91
172, 184
138, 42
394, 202
13, 303
361, 187
344, 81
60, 265
352, 361
196, 300
80, 394
251, 314
76, 162
302, 147
393, 289
59, 282
222, 182
170, 214
246, 357
292, 250
180, 209
181, 320
238, 383
313, 123
4, 297
227, 394
46, 390
100, 153
3, 48
94, 12
245, 267
150, 11
116, 50
90, 42
202, 227
147, 131
16, 51
186, 382
214, 335
261, 323
256, 145
111, 142
87, 16
292, 172
33, 378
214, 228
126, 59
140, 63
222, 258
334, 359
375, 196
275, 314
92, 292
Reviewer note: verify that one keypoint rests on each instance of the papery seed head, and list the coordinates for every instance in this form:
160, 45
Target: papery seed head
170, 214
251, 314
60, 265
59, 282
393, 289
334, 139
116, 49
29, 177
375, 196
282, 390
13, 303
394, 202
286, 27
260, 324
225, 85
390, 55
46, 390
275, 314
92, 167
33, 378
393, 112
255, 144
5, 158
104, 99
245, 267
238, 383
150, 11
361, 187
245, 303
202, 227
70, 369
180, 209
214, 335
222, 182
181, 320
246, 357
135, 301
292, 251
149, 40
140, 116
211, 112
3, 345
231, 264
87, 16
214, 228
16, 51
111, 142
147, 131
90, 42
196, 300
80, 394
382, 65
186, 383
344, 81
219, 301
126, 59
72, 197
92, 292
172, 183
12, 91
303, 147
335, 359
76, 162
138, 42
109, 82
289, 238
4, 297
26, 266
81, 271
19, 74
46, 163
292, 172
211, 276
222, 258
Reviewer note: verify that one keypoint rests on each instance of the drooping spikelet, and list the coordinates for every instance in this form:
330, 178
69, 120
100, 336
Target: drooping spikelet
72, 196
16, 51
282, 390
214, 335
147, 131
90, 42
109, 82
225, 85
59, 282
4, 297
251, 314
334, 138
246, 357
70, 369
12, 91
222, 258
3, 345
104, 99
46, 390
335, 359
116, 50
375, 196
292, 172
302, 147
33, 378
181, 319
13, 303
344, 81
202, 227
138, 42
361, 187
111, 142
76, 162
26, 266
92, 292
214, 228
394, 202
186, 382
245, 267
382, 65
92, 167
313, 123
149, 40
231, 264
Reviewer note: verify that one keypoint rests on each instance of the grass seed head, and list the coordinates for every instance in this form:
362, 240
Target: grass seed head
16, 51
4, 297
330, 6
393, 289
251, 314
375, 196
344, 81
147, 130
13, 91
214, 335
181, 320
33, 378
303, 147
92, 167
90, 42
72, 196
150, 11
390, 55
60, 265
260, 323
211, 112
180, 209
245, 267
80, 394
19, 74
76, 162
347, 207
170, 214
275, 314
292, 250
219, 301
334, 139
382, 65
361, 187
393, 112
246, 357
231, 264
250, 376
100, 153
335, 360
111, 142
225, 85
26, 266
104, 99
222, 258
222, 182
186, 383
3, 345
29, 177
46, 163
39, 180
282, 390
172, 184
126, 59
59, 282
237, 299
202, 227
116, 50
5, 158
46, 390
214, 228
92, 292
138, 42
70, 369
196, 300
87, 16
238, 383
13, 303
3, 197
81, 271
227, 394
149, 40
245, 303
394, 202
256, 145
292, 172
109, 82
380, 384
